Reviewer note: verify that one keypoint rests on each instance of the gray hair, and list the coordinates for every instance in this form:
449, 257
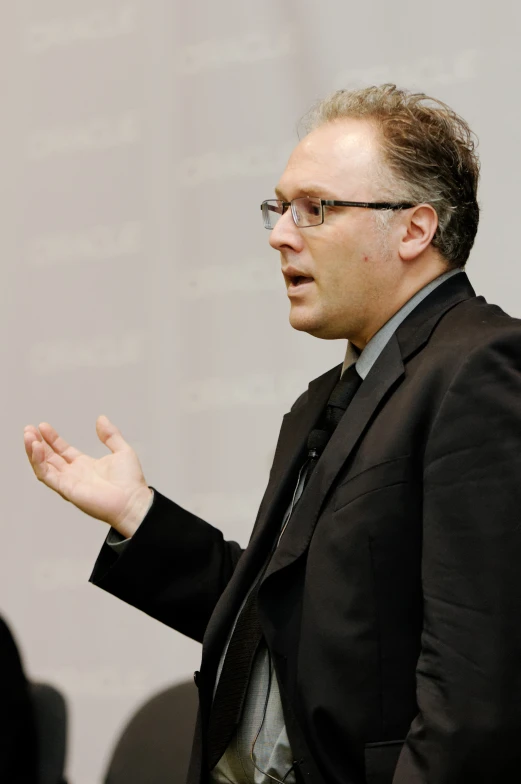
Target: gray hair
428, 154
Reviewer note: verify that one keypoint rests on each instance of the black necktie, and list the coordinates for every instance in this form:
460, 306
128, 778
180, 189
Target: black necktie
340, 398
247, 634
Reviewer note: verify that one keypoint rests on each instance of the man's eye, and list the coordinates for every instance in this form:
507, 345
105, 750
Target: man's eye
312, 210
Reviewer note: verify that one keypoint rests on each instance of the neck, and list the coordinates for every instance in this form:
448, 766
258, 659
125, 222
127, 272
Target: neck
388, 306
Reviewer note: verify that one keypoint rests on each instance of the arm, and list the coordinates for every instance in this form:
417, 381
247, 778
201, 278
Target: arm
469, 670
174, 567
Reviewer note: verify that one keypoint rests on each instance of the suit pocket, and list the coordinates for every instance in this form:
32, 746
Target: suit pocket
392, 472
381, 760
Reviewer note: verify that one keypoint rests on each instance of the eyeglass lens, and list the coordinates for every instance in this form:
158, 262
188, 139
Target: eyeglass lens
306, 212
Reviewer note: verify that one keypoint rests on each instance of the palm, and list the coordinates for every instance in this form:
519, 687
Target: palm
99, 487
104, 488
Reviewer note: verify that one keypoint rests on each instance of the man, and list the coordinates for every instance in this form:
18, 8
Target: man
371, 630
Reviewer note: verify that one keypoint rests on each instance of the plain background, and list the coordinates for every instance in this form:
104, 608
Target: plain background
138, 140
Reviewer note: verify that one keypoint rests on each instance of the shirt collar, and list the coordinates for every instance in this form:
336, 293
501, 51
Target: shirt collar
365, 360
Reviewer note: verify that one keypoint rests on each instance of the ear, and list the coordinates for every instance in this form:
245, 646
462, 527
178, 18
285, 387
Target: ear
418, 228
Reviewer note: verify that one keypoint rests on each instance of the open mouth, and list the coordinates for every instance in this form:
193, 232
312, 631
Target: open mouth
298, 280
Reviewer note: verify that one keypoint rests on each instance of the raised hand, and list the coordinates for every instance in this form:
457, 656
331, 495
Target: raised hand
111, 488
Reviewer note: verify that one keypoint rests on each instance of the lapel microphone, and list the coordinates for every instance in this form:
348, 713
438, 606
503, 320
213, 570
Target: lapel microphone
316, 444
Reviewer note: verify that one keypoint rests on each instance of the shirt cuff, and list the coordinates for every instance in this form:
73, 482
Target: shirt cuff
116, 541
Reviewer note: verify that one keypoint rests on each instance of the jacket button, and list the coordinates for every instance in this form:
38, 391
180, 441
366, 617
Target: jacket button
196, 678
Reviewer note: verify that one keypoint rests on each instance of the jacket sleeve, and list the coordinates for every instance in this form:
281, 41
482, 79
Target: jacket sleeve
174, 568
468, 676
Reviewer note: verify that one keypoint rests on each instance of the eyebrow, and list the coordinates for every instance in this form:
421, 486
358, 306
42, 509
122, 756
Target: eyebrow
309, 190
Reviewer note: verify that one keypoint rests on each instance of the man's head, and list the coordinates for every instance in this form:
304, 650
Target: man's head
379, 144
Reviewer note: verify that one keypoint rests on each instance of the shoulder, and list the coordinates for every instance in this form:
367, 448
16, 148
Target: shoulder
475, 332
473, 351
477, 352
476, 322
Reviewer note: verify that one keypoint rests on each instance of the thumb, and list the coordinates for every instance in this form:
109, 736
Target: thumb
110, 435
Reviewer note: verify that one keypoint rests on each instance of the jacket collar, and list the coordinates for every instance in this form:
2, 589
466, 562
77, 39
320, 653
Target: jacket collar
417, 328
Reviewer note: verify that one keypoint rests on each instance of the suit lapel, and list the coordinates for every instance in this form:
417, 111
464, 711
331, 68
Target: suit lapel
291, 445
289, 453
417, 328
384, 374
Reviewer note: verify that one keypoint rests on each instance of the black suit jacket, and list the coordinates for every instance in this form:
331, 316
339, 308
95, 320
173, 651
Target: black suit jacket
392, 606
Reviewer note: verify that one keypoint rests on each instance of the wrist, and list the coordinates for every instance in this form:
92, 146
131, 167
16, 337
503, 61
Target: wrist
136, 512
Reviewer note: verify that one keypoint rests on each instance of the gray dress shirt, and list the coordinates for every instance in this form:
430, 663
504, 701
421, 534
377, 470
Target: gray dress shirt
259, 752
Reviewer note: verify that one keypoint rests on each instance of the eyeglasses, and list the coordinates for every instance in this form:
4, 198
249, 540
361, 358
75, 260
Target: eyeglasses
309, 211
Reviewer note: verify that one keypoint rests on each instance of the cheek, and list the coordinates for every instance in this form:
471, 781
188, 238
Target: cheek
341, 263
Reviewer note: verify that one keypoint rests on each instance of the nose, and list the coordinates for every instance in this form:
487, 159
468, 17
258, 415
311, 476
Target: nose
285, 234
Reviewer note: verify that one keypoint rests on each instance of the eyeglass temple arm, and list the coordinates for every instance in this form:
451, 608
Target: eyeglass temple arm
374, 205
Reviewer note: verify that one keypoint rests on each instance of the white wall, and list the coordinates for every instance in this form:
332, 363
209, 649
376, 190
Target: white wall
138, 139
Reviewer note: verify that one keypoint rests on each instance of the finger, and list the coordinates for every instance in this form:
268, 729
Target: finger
57, 443
30, 434
39, 459
45, 472
110, 435
42, 453
34, 430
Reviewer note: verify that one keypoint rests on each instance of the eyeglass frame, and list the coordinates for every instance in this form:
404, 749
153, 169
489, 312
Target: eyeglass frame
371, 205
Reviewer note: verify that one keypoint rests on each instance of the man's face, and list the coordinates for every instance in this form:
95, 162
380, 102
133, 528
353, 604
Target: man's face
349, 264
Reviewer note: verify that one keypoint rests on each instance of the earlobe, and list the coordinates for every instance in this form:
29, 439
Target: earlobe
419, 229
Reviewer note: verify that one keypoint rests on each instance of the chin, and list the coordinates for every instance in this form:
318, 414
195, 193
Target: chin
313, 326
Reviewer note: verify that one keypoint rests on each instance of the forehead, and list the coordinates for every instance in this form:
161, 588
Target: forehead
339, 155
